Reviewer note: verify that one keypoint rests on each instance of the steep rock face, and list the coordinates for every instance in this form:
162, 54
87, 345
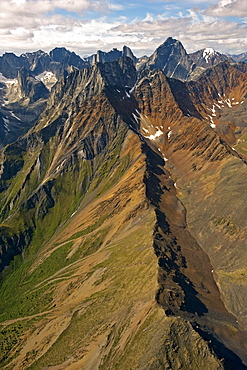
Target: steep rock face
220, 83
102, 57
38, 61
10, 64
127, 52
21, 102
31, 88
66, 58
172, 59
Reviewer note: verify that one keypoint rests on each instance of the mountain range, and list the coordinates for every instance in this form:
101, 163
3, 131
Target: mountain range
123, 212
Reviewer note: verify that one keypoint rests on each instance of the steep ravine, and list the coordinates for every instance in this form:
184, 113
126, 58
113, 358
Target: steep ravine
186, 282
187, 286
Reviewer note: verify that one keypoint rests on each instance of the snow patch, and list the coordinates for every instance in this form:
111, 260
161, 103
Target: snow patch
12, 82
207, 53
144, 129
45, 76
135, 117
175, 69
153, 137
2, 78
13, 115
228, 102
6, 123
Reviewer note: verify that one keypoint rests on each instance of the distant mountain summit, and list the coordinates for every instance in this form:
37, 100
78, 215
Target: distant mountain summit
26, 80
208, 57
172, 58
102, 57
240, 57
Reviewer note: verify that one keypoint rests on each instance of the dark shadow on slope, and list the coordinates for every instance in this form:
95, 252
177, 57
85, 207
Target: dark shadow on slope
182, 97
177, 294
174, 285
229, 359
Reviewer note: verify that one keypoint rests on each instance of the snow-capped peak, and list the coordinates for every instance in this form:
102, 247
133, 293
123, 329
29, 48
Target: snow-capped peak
207, 53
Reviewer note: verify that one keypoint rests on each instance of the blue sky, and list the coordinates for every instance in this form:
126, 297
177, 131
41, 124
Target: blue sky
85, 26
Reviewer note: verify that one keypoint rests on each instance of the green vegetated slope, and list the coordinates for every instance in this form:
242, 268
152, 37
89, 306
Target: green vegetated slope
87, 200
86, 299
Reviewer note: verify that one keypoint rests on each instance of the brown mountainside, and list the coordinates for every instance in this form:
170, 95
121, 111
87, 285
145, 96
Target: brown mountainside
125, 205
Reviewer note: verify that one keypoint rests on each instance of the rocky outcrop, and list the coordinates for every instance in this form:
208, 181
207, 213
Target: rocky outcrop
31, 88
103, 57
10, 64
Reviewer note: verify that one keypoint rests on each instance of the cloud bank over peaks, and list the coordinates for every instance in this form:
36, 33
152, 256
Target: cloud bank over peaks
85, 26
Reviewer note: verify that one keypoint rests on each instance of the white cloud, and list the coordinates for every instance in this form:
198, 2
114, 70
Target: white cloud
193, 31
28, 25
228, 8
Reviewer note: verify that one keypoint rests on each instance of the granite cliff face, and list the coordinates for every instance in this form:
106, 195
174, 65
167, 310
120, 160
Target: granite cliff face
172, 59
123, 220
102, 57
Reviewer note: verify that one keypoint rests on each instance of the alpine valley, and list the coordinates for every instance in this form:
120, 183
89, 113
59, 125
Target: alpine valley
123, 210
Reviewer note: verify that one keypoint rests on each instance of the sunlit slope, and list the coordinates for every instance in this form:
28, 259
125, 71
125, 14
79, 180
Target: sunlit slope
91, 207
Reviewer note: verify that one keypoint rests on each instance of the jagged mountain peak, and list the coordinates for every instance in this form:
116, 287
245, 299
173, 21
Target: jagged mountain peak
171, 58
34, 53
114, 54
127, 52
58, 54
80, 86
172, 43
